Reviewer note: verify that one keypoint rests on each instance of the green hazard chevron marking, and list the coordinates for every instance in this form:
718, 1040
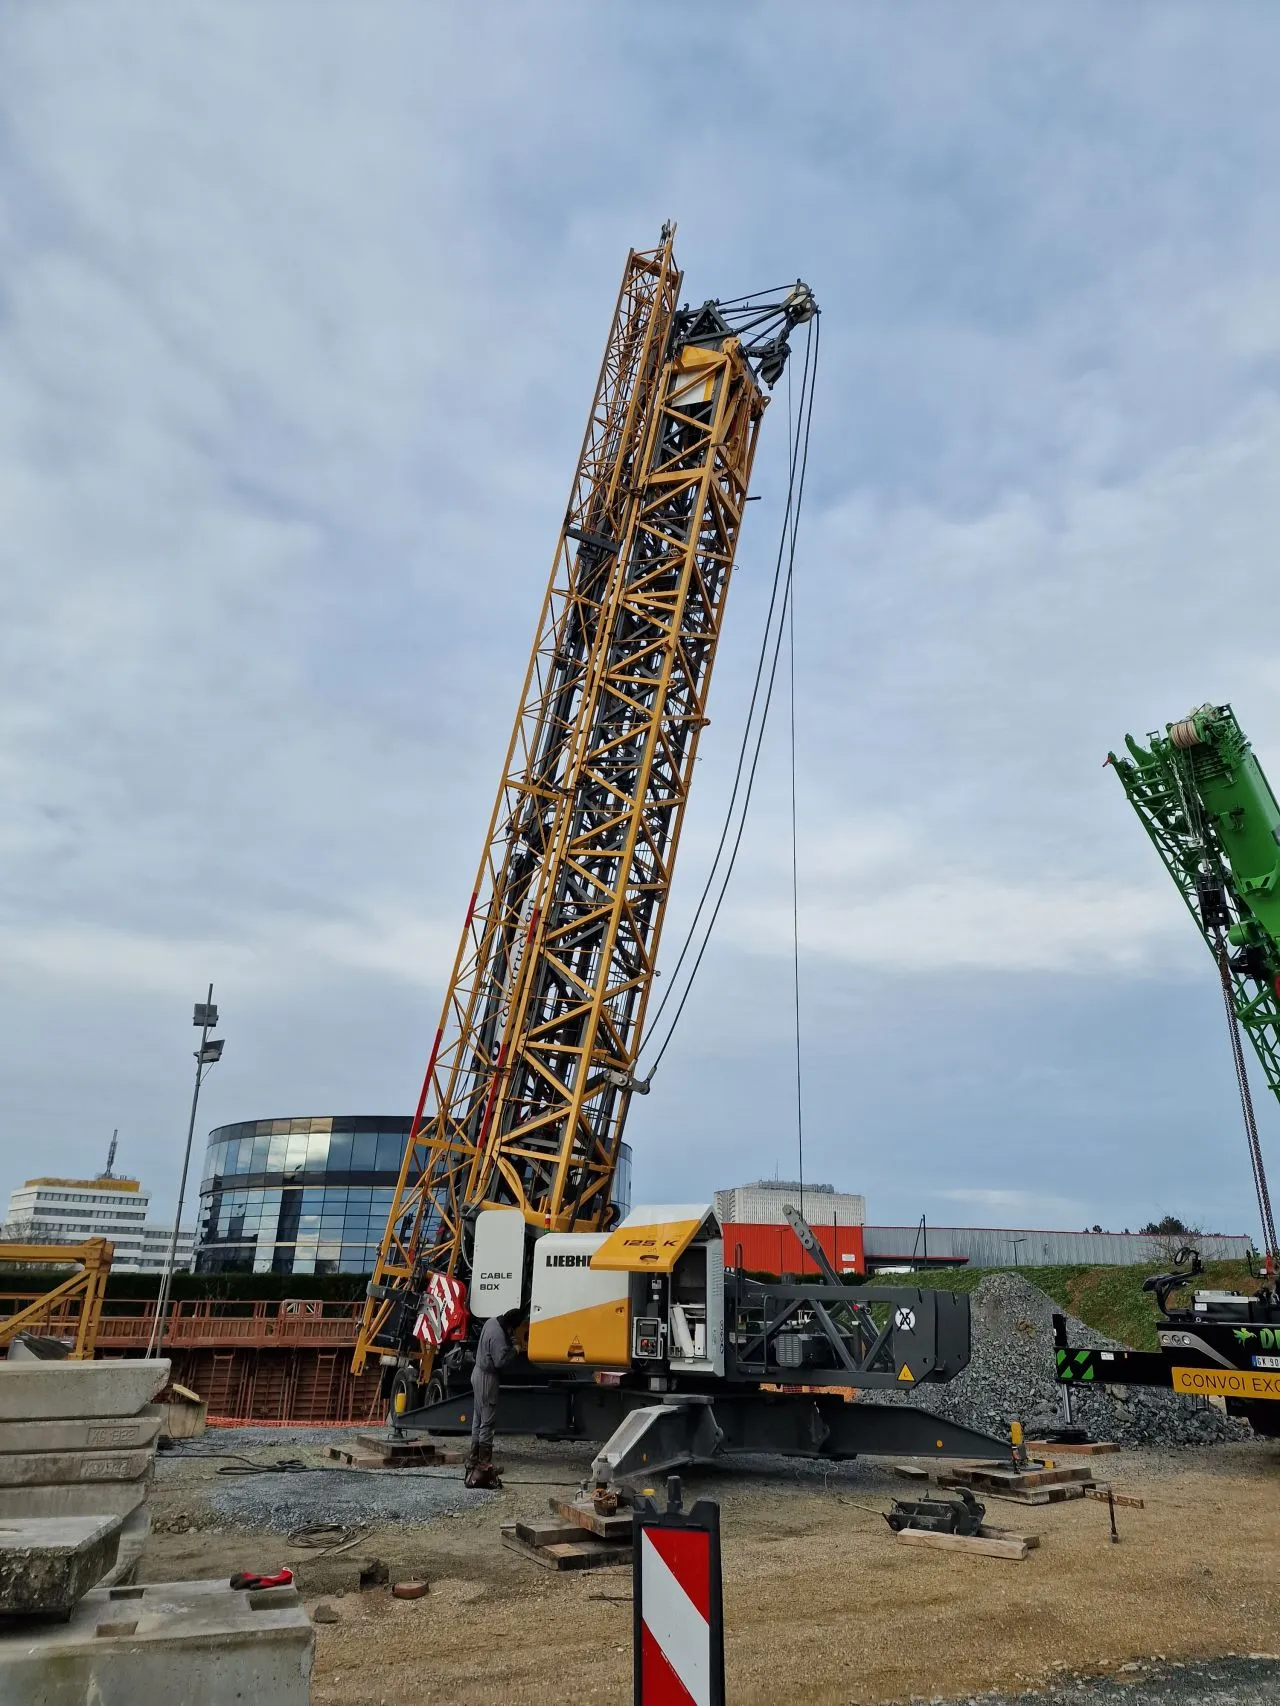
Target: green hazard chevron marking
1082, 1361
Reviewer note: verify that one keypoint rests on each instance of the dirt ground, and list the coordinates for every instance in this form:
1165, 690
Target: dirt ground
821, 1603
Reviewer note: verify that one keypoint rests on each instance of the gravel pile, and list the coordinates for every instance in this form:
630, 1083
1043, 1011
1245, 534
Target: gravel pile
1011, 1376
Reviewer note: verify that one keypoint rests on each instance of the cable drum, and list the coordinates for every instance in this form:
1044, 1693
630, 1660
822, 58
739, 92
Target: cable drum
1184, 734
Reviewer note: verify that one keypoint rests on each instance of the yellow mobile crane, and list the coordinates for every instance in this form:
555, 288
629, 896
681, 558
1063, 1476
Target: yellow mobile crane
514, 1144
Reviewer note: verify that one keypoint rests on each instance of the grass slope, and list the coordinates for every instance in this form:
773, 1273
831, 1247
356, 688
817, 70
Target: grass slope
1111, 1300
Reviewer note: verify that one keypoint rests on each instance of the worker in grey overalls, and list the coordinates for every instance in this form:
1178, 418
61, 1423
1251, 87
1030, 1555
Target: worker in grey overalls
495, 1350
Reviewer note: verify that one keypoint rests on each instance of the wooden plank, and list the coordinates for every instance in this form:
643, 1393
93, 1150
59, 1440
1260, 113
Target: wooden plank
1016, 1480
911, 1471
584, 1554
974, 1544
1092, 1448
989, 1532
1127, 1499
1037, 1495
585, 1516
547, 1533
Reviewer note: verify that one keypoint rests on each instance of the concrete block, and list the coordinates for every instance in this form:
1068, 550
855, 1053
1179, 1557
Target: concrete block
48, 1563
84, 1433
133, 1540
89, 1498
171, 1644
53, 1468
55, 1391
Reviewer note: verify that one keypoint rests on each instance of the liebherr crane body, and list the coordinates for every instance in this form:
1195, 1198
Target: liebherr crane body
1203, 798
504, 1194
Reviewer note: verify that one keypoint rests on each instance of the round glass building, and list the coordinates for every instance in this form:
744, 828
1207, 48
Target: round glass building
310, 1195
299, 1196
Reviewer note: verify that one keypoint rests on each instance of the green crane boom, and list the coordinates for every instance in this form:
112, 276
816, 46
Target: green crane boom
1209, 809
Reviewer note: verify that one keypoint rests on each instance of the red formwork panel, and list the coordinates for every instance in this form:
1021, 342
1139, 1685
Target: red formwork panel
776, 1249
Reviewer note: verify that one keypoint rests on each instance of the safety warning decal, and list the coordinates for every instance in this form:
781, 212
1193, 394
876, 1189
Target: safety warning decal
904, 1373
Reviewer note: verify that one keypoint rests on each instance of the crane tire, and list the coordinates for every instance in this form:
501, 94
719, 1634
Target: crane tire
405, 1392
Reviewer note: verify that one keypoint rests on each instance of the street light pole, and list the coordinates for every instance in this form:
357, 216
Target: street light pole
208, 1054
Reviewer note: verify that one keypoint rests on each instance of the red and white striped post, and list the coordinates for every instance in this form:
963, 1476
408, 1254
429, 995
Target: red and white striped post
678, 1627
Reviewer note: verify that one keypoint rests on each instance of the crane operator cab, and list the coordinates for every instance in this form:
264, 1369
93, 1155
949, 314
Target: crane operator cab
647, 1297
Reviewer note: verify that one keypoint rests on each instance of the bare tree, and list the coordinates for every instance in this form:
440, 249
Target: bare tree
1172, 1235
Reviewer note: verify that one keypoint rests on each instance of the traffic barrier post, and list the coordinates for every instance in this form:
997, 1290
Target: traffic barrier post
678, 1609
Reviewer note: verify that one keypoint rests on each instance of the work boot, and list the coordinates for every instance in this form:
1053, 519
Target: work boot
482, 1473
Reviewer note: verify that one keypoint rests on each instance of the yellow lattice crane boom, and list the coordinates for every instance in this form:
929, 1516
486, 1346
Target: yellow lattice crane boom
533, 1064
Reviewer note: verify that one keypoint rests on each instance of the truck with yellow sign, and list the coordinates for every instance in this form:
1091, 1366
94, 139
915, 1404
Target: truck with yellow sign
1220, 1344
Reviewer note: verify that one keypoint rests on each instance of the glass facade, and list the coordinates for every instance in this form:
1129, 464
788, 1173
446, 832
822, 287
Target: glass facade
308, 1196
299, 1196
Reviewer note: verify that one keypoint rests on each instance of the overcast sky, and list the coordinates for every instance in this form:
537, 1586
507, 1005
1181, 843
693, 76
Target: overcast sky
301, 308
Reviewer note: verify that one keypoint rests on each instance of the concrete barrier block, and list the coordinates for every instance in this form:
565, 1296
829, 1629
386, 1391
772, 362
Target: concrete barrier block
53, 1468
56, 1391
171, 1644
84, 1433
90, 1498
48, 1563
133, 1539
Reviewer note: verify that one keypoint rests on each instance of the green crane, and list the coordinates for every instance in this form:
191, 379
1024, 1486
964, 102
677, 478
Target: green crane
1203, 799
1208, 808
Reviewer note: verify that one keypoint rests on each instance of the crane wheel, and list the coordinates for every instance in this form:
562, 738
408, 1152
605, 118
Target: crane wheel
405, 1392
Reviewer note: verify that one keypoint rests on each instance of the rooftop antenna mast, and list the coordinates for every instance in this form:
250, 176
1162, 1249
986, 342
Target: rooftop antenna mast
111, 1156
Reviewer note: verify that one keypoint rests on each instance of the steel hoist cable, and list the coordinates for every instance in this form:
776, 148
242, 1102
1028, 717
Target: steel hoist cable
753, 733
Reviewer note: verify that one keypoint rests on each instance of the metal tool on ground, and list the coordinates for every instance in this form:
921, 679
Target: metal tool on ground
1111, 1512
678, 1609
644, 1335
1209, 810
961, 1515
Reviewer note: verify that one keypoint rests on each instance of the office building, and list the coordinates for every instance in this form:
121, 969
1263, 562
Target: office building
308, 1195
67, 1211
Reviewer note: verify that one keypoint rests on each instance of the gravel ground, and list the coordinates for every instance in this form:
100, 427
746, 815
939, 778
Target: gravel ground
193, 1494
1011, 1377
807, 1560
1217, 1682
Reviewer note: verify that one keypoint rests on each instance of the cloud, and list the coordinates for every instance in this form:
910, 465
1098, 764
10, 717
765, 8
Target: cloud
300, 315
1014, 1207
958, 920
